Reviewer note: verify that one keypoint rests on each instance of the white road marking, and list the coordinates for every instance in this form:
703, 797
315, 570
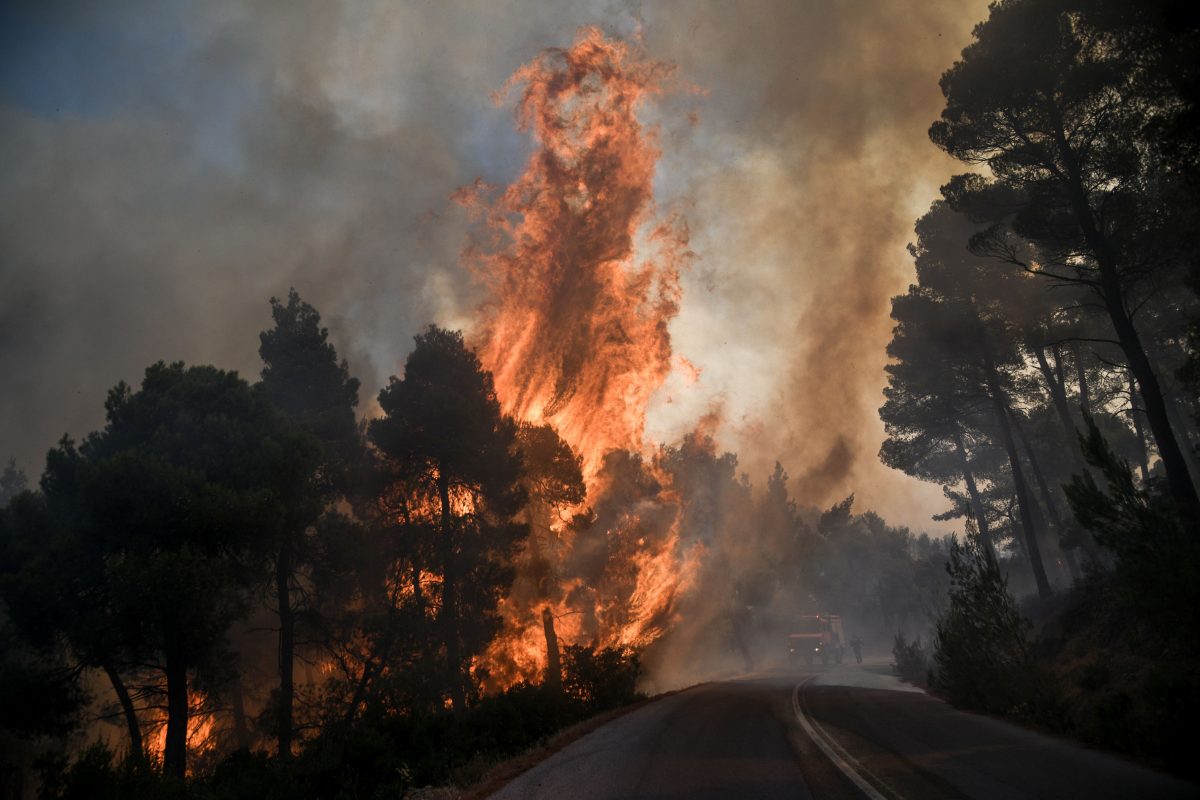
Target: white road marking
834, 751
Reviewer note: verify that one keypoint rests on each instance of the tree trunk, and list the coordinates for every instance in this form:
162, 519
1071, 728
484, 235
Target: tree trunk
370, 670
449, 615
1085, 396
131, 721
553, 662
1024, 501
241, 731
175, 752
418, 592
287, 646
1061, 373
1179, 423
415, 574
1179, 480
1058, 396
1136, 419
985, 534
1056, 520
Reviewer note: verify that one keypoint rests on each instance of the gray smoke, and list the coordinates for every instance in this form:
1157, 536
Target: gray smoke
167, 168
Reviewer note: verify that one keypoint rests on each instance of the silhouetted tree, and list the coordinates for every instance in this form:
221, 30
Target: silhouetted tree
459, 456
12, 482
932, 414
982, 648
553, 481
166, 510
966, 308
1064, 113
41, 691
303, 377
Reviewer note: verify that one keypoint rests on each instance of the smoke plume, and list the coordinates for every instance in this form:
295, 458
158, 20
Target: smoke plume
162, 179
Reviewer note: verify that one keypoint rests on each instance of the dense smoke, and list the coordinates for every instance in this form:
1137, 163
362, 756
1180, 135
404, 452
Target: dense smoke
164, 179
815, 160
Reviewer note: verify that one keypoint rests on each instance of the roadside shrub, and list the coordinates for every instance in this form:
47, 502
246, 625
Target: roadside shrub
97, 774
912, 661
981, 645
601, 679
1155, 551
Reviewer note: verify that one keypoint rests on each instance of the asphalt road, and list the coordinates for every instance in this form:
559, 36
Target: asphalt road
846, 732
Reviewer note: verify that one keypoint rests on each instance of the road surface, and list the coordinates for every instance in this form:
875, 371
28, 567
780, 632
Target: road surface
843, 732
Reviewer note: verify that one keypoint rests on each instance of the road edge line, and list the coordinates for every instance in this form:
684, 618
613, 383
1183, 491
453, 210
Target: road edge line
832, 750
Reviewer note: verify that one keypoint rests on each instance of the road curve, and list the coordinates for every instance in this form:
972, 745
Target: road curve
842, 733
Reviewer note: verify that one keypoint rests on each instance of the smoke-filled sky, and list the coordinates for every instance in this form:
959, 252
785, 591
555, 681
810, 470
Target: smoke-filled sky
166, 167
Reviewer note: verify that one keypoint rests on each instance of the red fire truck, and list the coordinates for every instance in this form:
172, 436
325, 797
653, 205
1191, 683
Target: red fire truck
816, 636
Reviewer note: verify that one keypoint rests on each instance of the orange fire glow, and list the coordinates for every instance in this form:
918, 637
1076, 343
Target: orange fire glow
201, 729
584, 277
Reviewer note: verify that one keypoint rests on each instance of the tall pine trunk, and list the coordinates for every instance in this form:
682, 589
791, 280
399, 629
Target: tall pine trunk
553, 660
1179, 479
1085, 396
175, 751
1058, 397
1135, 418
241, 730
449, 621
1024, 501
131, 721
985, 534
1056, 520
287, 646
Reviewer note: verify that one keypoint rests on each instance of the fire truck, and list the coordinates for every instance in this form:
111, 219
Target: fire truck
816, 636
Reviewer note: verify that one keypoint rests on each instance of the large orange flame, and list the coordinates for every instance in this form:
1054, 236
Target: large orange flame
584, 277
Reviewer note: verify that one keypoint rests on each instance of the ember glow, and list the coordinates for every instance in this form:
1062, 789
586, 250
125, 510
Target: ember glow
202, 730
584, 275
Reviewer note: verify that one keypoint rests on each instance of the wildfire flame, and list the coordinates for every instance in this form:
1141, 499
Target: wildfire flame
202, 730
584, 277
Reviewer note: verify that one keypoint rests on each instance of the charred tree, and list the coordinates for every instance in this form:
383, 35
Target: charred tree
553, 659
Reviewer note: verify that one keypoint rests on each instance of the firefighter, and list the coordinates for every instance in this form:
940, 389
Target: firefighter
856, 646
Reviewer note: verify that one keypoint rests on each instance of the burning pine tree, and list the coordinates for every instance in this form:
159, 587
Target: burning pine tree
584, 277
